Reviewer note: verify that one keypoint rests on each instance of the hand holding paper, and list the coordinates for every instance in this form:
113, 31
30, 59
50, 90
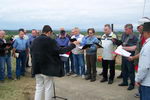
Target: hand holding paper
122, 52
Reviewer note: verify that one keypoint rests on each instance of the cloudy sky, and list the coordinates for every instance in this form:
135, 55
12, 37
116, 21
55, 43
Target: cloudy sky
31, 14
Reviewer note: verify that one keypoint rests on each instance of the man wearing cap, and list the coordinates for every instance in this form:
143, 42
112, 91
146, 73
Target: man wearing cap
129, 44
143, 76
63, 41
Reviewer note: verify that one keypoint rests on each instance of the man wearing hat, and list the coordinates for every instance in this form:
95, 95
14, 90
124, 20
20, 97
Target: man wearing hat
143, 76
63, 41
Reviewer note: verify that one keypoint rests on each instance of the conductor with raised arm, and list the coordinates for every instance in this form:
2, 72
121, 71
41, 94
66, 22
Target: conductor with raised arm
47, 63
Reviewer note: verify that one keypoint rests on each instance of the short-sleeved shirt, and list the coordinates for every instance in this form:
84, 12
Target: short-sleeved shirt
20, 44
79, 38
90, 40
62, 41
2, 51
31, 39
108, 46
129, 40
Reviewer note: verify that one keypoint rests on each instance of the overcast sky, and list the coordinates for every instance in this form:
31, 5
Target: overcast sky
31, 14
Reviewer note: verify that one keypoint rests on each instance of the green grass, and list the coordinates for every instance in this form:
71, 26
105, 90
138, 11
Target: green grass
16, 90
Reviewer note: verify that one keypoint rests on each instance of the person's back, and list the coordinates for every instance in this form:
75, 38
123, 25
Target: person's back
46, 63
45, 57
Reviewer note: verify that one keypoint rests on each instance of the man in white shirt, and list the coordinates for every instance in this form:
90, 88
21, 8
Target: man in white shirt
78, 54
108, 58
143, 76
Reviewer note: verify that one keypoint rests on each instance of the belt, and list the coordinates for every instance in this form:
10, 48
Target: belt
19, 51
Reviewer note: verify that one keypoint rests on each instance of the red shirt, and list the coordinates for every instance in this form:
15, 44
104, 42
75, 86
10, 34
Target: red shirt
142, 40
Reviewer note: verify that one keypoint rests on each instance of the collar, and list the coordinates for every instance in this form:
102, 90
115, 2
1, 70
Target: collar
109, 34
62, 37
43, 35
21, 38
147, 40
77, 35
33, 36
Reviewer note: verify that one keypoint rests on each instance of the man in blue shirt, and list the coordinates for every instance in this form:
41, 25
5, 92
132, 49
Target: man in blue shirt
63, 41
20, 51
31, 36
91, 54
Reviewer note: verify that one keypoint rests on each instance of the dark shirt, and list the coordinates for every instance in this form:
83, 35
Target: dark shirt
62, 41
129, 40
2, 49
31, 39
45, 56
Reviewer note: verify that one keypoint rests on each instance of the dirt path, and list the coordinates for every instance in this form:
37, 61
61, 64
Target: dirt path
76, 88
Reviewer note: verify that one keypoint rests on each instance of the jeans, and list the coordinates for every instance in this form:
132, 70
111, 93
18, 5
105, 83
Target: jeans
67, 67
79, 64
44, 87
128, 71
20, 64
2, 66
9, 67
72, 63
144, 92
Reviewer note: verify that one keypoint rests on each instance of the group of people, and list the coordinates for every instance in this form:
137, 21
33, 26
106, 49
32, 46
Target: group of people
19, 48
81, 54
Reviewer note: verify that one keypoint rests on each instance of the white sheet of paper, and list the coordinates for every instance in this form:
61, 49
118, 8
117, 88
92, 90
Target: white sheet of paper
80, 47
17, 55
122, 52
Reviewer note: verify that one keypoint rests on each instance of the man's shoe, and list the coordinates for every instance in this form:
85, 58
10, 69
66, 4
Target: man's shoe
101, 74
2, 81
10, 78
32, 76
72, 73
75, 75
131, 87
110, 82
17, 78
103, 80
93, 79
123, 84
137, 95
23, 75
83, 76
87, 78
119, 77
68, 74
